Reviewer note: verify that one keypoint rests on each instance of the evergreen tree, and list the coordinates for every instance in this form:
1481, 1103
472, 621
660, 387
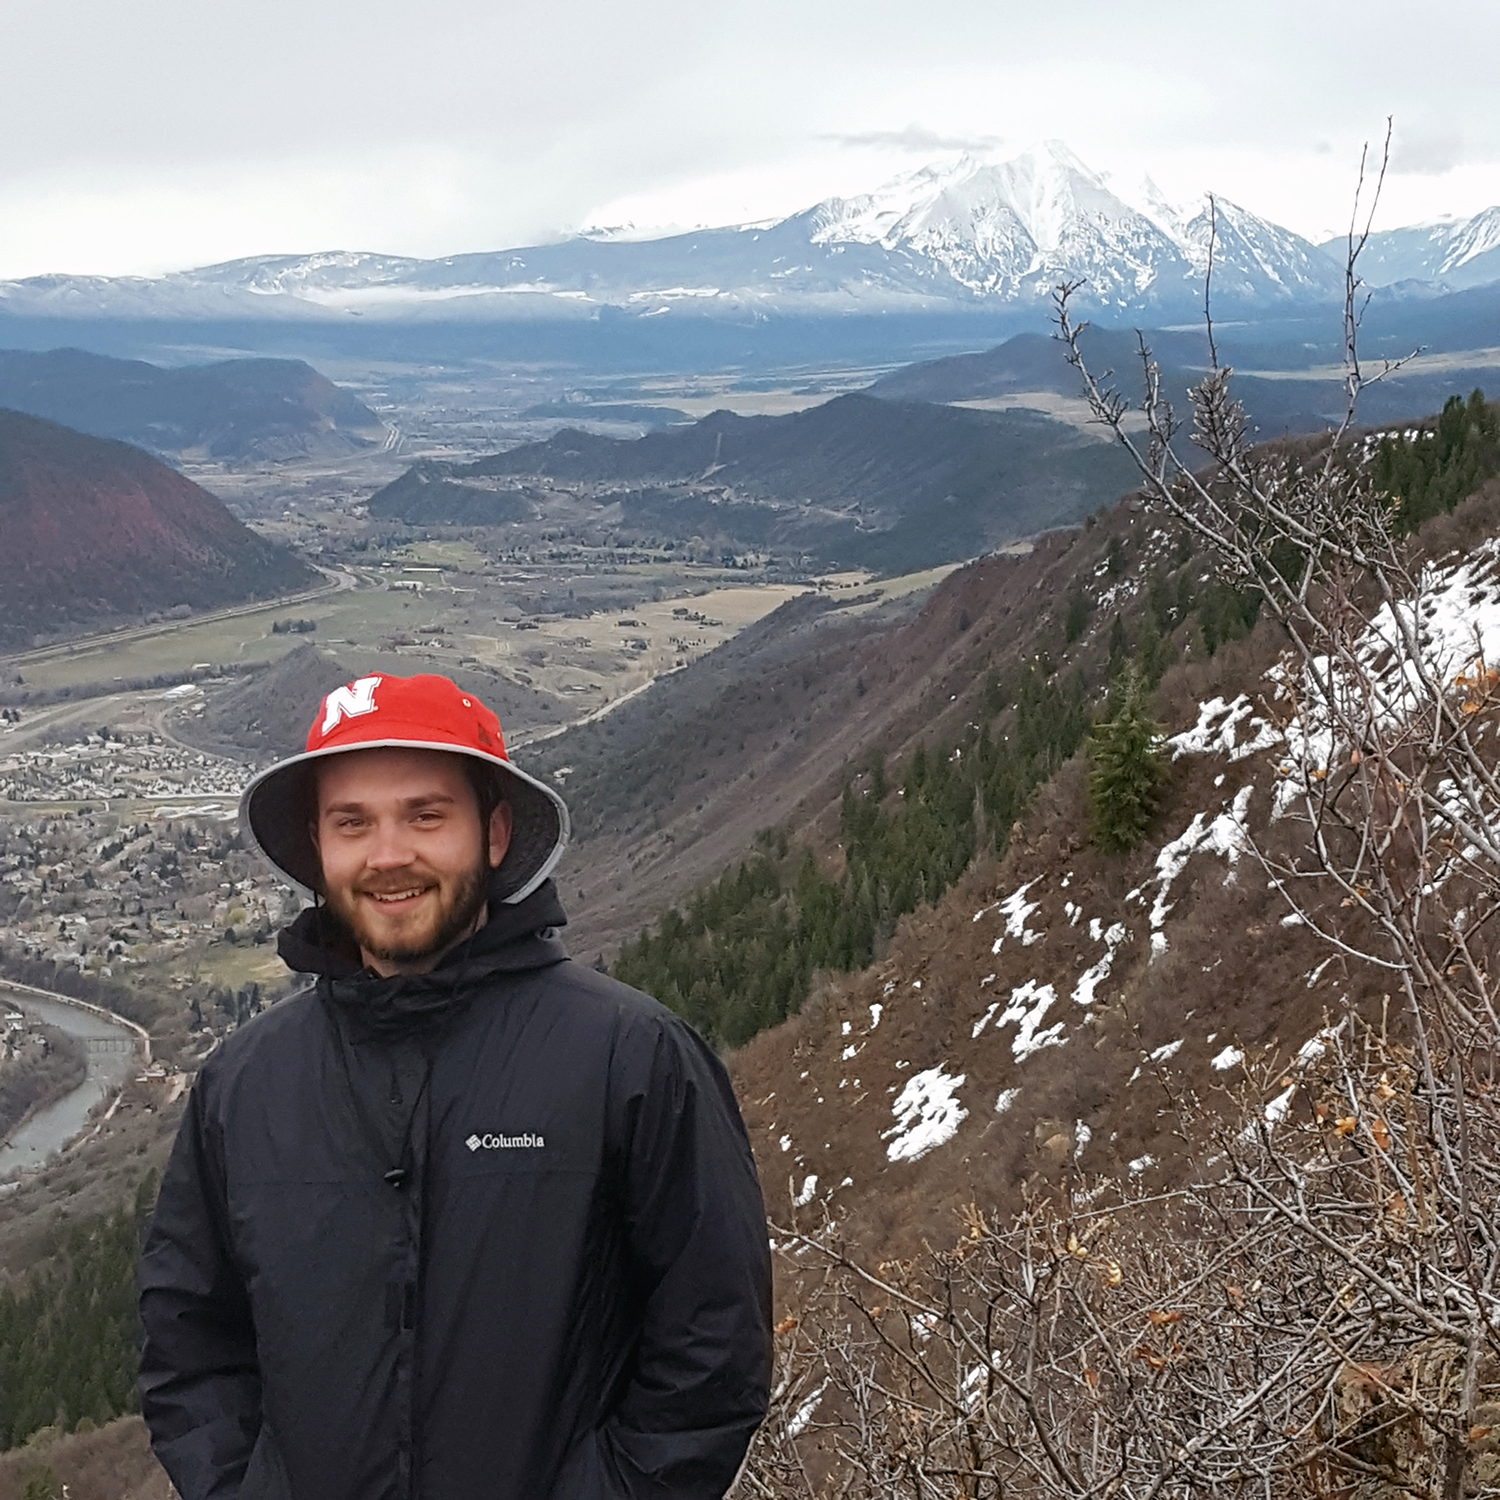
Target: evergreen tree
1079, 609
1127, 771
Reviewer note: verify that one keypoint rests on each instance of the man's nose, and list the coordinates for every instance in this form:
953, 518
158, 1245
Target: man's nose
390, 847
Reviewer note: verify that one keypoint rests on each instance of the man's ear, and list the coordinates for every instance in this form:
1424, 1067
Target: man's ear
501, 823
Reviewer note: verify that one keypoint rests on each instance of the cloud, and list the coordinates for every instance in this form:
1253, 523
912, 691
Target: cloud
916, 138
1427, 153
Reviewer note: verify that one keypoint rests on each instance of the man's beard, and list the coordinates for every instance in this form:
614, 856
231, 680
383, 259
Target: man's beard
458, 911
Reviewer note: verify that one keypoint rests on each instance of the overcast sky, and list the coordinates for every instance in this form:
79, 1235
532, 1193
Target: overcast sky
146, 135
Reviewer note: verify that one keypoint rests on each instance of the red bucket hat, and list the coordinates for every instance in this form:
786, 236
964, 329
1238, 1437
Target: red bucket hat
416, 713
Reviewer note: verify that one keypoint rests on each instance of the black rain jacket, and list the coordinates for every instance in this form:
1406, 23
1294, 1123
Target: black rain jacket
493, 1233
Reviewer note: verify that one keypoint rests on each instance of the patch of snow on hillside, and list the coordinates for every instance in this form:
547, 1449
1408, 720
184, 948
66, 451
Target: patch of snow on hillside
786, 1143
1092, 977
849, 1052
927, 1114
1166, 1052
1276, 1110
1141, 1163
809, 1187
1016, 908
1217, 731
1006, 1099
1228, 1058
1225, 835
984, 1020
804, 1413
875, 1015
1029, 1004
1456, 615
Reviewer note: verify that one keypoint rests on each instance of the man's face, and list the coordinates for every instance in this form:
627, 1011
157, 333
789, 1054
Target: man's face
405, 861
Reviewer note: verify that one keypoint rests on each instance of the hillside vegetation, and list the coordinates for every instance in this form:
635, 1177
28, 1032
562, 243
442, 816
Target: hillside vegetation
97, 531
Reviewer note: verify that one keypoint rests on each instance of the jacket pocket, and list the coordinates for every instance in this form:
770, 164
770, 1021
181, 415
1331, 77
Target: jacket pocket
265, 1476
585, 1475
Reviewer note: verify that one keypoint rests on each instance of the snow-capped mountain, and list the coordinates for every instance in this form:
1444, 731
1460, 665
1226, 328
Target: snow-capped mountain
1457, 252
1018, 228
966, 236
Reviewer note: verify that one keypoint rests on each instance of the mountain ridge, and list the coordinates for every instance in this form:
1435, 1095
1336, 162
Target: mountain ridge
96, 530
957, 237
241, 408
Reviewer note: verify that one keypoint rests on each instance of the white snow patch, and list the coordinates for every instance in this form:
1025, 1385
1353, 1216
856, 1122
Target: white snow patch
1082, 1135
875, 1015
1006, 1099
1217, 731
1016, 908
1276, 1110
1096, 929
1230, 1057
809, 1187
1141, 1163
850, 1051
804, 1413
984, 1020
927, 1114
988, 979
1166, 1052
786, 1143
1455, 614
1091, 978
1224, 835
1029, 1003
846, 1029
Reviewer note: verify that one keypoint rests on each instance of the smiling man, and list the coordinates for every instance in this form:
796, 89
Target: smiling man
463, 1219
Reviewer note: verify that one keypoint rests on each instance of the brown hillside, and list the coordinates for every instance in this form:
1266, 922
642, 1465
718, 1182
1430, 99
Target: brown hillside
1047, 1019
97, 530
674, 787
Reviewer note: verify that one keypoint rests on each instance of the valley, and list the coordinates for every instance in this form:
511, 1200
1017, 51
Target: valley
817, 671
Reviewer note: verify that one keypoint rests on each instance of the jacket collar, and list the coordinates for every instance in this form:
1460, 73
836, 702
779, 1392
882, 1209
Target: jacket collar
516, 939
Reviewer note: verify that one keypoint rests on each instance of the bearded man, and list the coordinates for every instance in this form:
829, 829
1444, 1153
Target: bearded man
463, 1219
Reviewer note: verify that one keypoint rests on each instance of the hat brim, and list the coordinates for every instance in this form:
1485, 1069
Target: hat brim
275, 809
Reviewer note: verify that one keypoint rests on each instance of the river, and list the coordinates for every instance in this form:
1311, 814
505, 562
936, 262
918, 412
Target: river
112, 1058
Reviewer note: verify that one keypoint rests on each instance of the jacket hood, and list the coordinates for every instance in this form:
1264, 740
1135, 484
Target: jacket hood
515, 939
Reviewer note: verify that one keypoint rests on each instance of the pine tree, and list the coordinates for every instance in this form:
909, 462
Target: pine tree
1127, 771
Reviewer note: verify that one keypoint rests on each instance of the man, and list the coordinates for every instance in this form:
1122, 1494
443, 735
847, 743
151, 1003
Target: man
465, 1220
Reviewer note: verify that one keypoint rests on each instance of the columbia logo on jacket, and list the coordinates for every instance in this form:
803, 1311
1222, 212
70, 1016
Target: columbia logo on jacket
504, 1142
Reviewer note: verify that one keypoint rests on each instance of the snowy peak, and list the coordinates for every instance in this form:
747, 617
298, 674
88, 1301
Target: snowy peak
1457, 252
1020, 226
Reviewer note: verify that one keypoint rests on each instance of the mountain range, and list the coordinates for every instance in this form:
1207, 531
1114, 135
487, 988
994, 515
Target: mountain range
234, 409
890, 485
961, 238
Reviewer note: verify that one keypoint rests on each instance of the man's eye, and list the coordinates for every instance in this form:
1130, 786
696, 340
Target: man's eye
429, 817
348, 824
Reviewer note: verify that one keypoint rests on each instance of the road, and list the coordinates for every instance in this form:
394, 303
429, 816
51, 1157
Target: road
113, 1056
337, 581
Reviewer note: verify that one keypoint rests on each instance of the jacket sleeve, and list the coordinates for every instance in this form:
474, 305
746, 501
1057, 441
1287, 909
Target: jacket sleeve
199, 1380
696, 1231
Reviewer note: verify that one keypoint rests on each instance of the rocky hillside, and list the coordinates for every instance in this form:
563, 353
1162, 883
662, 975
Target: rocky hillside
1045, 1007
260, 409
98, 532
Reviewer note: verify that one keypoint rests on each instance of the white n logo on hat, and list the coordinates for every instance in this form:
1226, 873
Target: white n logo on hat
349, 702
